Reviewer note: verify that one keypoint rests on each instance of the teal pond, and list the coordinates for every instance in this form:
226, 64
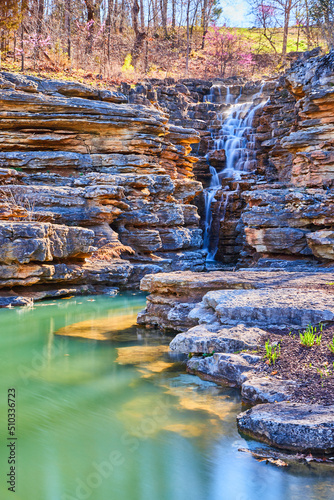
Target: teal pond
104, 412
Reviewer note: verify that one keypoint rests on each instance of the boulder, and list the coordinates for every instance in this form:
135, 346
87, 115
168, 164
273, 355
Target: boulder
200, 339
230, 369
267, 389
321, 244
37, 241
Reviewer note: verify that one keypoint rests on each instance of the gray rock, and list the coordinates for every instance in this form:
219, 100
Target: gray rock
322, 244
280, 307
291, 426
199, 339
112, 96
232, 369
40, 241
267, 389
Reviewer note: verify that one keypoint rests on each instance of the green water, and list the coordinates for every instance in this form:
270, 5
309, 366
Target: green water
118, 419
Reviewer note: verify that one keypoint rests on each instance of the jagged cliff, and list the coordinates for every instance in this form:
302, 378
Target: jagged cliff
85, 176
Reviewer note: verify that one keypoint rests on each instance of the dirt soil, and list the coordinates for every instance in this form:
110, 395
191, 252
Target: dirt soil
312, 367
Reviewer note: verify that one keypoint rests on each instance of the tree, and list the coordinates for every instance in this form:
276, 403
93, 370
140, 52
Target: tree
9, 21
266, 20
270, 15
322, 12
225, 47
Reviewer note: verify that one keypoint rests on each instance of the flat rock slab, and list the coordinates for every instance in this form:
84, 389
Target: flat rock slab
190, 283
230, 369
286, 307
201, 340
267, 390
291, 426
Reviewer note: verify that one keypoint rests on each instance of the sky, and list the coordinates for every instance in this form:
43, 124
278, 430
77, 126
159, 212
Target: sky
236, 13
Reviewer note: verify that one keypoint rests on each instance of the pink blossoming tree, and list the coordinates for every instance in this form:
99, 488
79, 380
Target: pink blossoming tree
227, 49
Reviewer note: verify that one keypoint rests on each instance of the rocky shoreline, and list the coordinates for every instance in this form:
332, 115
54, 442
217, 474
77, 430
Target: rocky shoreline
224, 331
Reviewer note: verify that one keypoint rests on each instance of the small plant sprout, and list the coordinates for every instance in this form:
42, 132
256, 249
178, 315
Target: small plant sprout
331, 347
272, 352
309, 337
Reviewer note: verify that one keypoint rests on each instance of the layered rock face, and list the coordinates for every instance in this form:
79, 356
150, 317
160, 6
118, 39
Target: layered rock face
281, 205
221, 299
293, 214
84, 175
204, 106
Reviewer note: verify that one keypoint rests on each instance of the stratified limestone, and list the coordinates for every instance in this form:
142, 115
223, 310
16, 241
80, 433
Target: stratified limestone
24, 242
174, 298
79, 159
291, 426
286, 213
322, 244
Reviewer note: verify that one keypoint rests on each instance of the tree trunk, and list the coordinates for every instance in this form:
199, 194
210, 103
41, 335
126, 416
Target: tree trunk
40, 16
121, 23
188, 38
204, 22
287, 11
22, 47
142, 15
163, 9
108, 24
140, 35
90, 19
68, 26
307, 25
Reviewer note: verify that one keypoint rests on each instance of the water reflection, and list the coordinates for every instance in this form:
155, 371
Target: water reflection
121, 420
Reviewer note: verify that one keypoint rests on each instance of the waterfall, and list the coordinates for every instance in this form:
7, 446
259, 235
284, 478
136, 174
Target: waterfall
236, 139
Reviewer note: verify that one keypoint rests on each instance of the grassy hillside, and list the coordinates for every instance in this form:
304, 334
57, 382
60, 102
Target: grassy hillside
165, 57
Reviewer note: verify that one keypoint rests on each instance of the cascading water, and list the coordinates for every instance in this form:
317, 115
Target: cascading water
236, 139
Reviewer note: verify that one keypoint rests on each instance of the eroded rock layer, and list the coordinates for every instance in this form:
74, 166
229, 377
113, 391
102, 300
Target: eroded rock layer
281, 205
86, 178
292, 215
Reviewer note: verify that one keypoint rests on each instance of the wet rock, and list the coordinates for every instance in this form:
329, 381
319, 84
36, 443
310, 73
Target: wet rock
291, 426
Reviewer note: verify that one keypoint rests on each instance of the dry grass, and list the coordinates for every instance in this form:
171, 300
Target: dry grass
109, 250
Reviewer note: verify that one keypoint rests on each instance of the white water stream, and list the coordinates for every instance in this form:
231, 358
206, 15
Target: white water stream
236, 139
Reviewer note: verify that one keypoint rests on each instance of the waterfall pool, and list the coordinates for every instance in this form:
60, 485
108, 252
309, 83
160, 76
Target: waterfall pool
103, 412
